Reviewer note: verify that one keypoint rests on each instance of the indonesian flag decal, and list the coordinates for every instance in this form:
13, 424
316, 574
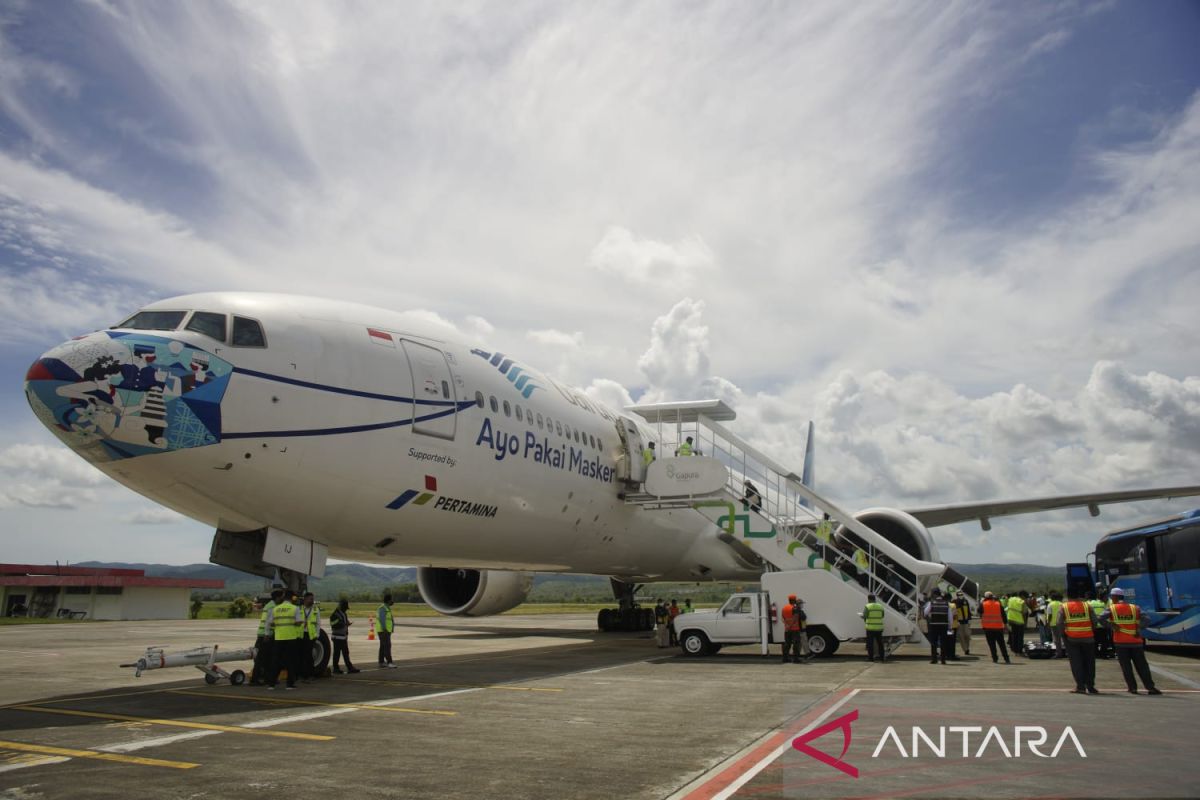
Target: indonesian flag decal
381, 337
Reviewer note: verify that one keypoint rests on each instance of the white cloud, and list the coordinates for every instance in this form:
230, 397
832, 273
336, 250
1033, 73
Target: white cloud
553, 338
41, 476
549, 179
622, 254
154, 516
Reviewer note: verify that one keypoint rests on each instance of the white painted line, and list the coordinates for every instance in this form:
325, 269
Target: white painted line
38, 761
1174, 677
128, 747
732, 788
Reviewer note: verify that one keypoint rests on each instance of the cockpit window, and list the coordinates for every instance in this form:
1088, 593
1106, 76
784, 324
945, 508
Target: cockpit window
208, 323
154, 321
248, 333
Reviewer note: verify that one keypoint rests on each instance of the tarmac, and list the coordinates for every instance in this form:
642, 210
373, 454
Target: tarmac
547, 707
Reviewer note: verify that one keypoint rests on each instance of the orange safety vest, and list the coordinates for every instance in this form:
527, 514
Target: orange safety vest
992, 619
791, 620
1125, 617
1079, 622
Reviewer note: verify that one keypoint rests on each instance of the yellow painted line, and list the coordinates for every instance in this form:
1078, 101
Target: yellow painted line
63, 751
287, 701
103, 696
454, 685
204, 726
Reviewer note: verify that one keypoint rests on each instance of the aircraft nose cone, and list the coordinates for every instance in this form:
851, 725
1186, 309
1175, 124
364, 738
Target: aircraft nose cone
112, 395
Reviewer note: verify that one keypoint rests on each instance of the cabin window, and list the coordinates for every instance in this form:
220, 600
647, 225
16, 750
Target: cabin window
507, 409
517, 409
558, 428
479, 399
154, 321
248, 333
446, 389
593, 441
208, 323
495, 406
539, 417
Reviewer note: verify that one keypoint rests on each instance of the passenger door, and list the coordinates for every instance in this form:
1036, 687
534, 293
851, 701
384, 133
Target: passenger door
434, 397
736, 621
1159, 554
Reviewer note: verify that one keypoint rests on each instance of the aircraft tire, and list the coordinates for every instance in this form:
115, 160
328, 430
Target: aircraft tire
604, 619
321, 651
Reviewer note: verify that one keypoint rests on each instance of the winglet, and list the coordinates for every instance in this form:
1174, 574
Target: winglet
807, 477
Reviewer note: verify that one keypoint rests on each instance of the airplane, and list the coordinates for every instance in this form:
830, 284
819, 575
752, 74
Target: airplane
306, 428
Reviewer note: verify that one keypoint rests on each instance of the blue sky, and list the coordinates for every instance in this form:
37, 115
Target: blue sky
960, 237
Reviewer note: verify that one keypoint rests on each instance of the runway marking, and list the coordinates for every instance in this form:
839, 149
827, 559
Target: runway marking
23, 760
455, 685
1167, 673
270, 723
728, 781
287, 701
63, 751
88, 697
174, 723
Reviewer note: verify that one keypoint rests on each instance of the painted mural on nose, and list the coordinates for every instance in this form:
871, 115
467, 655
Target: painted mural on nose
112, 395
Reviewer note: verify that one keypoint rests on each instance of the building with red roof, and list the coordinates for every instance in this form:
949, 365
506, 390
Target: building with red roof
50, 590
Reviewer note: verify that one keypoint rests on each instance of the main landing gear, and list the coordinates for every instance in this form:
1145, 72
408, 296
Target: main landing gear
628, 616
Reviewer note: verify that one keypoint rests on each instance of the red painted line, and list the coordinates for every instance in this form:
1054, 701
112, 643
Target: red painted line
719, 782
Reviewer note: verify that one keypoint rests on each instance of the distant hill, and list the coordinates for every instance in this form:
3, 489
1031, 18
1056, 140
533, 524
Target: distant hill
354, 580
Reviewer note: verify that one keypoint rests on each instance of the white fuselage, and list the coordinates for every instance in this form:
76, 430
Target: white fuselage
359, 428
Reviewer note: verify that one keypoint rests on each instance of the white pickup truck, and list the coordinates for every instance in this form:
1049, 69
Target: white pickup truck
832, 609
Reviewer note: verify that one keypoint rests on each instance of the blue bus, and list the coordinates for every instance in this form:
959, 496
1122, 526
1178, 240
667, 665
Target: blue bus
1157, 564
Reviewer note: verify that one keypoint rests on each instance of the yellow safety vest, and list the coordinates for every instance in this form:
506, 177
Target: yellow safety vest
873, 616
685, 449
824, 530
1054, 608
262, 618
384, 615
860, 559
312, 617
286, 628
1016, 610
647, 456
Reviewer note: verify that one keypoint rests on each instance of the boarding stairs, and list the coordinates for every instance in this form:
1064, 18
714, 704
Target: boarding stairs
788, 527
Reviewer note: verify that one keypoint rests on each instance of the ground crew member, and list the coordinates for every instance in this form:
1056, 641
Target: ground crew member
339, 626
687, 606
384, 625
863, 564
794, 638
310, 626
673, 612
685, 449
991, 618
872, 615
648, 454
662, 618
1053, 614
1099, 608
937, 612
285, 621
1017, 612
1077, 623
264, 642
1127, 623
962, 618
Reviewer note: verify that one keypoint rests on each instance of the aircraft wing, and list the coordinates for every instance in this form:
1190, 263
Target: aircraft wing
933, 516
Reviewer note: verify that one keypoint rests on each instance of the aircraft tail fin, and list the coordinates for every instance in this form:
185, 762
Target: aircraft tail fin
808, 475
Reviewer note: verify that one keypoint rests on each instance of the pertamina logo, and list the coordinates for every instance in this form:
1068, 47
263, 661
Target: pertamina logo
443, 502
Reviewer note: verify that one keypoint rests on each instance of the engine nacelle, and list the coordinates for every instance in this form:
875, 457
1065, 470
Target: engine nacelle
902, 530
472, 592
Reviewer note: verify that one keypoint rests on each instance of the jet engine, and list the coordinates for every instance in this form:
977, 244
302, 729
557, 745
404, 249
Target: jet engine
902, 530
472, 592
